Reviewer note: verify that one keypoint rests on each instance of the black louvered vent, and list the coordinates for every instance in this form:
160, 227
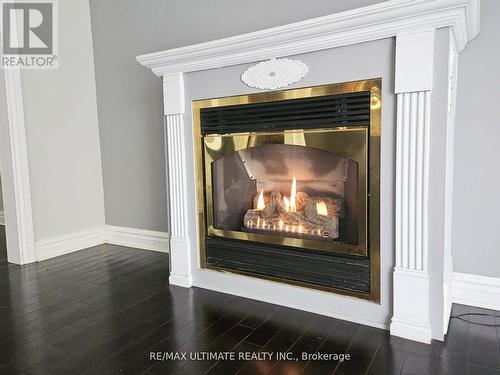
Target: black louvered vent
308, 266
315, 112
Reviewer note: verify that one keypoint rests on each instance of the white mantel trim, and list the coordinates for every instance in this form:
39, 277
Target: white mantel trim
379, 21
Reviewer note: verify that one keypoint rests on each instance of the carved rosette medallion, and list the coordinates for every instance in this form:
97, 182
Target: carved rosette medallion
274, 74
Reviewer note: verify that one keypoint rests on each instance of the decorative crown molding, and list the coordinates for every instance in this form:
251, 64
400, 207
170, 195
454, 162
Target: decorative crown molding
379, 21
274, 74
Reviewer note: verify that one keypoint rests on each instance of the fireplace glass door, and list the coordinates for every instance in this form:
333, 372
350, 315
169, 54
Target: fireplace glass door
303, 188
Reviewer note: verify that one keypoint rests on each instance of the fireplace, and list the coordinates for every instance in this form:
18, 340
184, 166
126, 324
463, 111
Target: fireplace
414, 46
288, 186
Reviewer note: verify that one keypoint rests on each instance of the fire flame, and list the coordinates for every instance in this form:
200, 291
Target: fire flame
287, 204
321, 208
291, 204
260, 202
293, 196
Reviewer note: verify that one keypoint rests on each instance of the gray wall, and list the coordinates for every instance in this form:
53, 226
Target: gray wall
62, 133
476, 200
130, 97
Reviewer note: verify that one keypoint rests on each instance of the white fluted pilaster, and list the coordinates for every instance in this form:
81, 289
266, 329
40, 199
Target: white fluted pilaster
411, 282
177, 181
412, 169
414, 60
180, 254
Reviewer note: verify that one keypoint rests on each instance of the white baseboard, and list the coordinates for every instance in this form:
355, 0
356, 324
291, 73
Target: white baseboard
475, 290
130, 237
2, 218
138, 238
60, 245
411, 331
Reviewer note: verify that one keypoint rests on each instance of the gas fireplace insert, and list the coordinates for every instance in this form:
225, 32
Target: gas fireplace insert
288, 186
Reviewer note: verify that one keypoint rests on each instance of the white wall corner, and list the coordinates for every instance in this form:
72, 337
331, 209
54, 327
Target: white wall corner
2, 218
20, 170
173, 94
137, 238
475, 290
414, 61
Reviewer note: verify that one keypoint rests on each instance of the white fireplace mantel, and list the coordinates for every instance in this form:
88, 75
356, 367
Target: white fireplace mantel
413, 24
383, 20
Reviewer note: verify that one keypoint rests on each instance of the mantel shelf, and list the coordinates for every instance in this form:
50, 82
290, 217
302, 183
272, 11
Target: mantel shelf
384, 20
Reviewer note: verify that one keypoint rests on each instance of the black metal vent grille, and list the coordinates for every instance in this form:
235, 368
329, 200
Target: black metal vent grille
287, 263
316, 112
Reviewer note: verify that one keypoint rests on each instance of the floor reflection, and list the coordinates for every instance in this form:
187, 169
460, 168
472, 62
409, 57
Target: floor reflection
104, 310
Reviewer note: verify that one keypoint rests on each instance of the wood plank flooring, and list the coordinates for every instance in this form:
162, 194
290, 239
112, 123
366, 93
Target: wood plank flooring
104, 310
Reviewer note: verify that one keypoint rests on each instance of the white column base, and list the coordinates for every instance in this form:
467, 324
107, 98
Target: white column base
411, 319
180, 280
180, 261
411, 330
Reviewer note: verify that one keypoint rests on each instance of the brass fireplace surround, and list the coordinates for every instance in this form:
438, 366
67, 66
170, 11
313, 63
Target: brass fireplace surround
361, 141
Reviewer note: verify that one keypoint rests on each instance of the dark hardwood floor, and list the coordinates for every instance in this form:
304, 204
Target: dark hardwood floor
104, 310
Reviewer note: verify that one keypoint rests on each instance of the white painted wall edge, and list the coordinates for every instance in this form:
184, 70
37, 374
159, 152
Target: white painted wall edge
123, 236
138, 238
25, 253
475, 290
2, 218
